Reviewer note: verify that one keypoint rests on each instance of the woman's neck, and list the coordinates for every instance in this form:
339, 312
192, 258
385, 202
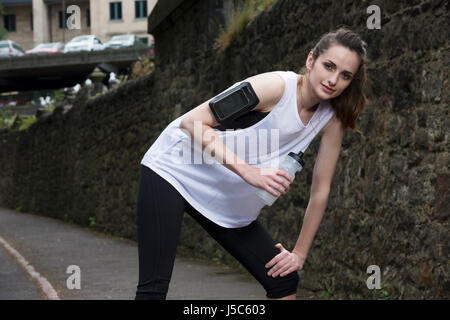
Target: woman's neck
306, 99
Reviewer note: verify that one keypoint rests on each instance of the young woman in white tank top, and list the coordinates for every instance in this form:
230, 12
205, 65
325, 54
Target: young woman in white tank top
327, 96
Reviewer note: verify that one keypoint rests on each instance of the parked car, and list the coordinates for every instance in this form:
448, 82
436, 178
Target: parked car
124, 41
9, 48
84, 43
47, 48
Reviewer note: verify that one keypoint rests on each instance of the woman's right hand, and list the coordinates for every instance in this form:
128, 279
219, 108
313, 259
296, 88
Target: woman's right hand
269, 179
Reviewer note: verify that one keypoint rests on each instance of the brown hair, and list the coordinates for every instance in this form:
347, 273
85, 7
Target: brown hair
352, 101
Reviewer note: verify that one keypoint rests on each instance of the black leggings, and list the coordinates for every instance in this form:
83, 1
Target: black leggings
160, 210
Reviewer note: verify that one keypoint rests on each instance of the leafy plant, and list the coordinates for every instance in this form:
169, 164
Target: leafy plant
91, 222
142, 67
326, 294
26, 122
383, 293
218, 258
56, 98
7, 118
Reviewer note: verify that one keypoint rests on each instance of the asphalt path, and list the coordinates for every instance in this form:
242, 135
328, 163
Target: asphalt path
36, 253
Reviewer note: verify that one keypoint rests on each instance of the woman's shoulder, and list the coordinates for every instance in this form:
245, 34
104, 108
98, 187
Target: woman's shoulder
287, 74
281, 74
269, 88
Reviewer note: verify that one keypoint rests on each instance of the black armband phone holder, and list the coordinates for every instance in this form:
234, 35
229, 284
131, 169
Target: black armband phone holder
234, 102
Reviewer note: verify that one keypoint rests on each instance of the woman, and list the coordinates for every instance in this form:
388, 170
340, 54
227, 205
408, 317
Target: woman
218, 191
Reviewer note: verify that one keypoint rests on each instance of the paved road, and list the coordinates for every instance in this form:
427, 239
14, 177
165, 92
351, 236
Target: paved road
108, 265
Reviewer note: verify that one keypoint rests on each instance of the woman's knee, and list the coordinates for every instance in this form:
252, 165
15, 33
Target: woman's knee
280, 287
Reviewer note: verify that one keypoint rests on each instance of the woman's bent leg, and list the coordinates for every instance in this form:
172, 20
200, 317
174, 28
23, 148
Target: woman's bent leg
253, 247
160, 211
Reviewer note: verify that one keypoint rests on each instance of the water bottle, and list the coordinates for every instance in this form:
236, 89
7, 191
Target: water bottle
291, 164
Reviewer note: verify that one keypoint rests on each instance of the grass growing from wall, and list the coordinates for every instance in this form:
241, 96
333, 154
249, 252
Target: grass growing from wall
7, 118
142, 67
11, 120
240, 16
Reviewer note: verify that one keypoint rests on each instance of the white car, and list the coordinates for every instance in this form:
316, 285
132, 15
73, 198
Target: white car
124, 41
10, 48
84, 43
47, 48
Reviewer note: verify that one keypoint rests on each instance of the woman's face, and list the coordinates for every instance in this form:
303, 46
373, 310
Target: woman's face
332, 72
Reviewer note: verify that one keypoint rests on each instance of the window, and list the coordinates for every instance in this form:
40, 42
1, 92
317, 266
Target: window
17, 47
88, 17
140, 8
115, 10
80, 39
9, 21
61, 22
144, 40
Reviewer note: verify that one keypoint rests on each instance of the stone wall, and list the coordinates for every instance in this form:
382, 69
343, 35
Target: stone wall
389, 201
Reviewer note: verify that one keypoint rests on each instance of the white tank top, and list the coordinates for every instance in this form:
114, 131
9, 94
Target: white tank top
214, 190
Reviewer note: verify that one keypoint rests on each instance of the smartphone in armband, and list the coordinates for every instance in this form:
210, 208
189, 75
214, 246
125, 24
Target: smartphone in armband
234, 102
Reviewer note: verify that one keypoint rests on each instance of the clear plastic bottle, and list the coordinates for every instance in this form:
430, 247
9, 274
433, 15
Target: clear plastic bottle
292, 163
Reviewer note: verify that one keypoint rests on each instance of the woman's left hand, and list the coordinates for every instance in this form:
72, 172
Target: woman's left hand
284, 263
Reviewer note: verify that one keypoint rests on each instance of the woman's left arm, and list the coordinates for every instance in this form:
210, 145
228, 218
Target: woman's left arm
330, 145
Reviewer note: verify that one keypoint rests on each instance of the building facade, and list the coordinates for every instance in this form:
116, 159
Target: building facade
31, 22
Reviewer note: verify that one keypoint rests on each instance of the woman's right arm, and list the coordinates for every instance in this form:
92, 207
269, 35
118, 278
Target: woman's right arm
199, 123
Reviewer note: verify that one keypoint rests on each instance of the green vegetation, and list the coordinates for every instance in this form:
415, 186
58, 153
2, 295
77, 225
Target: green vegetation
326, 294
141, 67
218, 257
91, 222
240, 17
11, 120
7, 118
26, 122
383, 294
57, 98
